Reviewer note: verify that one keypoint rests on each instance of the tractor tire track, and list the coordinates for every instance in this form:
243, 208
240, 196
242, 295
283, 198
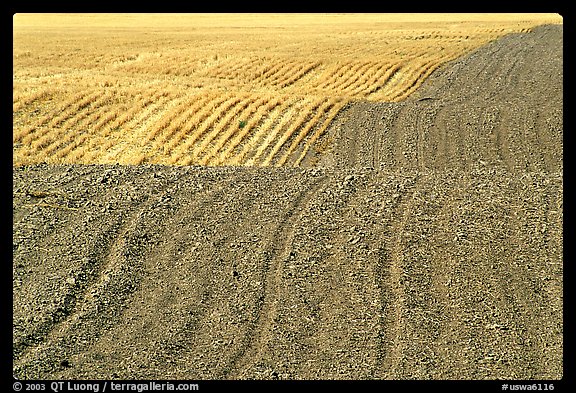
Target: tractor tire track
429, 246
395, 328
90, 286
279, 253
436, 126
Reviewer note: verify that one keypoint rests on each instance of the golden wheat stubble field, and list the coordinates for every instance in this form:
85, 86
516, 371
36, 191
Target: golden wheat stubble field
218, 89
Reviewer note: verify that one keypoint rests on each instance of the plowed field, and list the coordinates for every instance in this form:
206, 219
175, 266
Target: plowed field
422, 239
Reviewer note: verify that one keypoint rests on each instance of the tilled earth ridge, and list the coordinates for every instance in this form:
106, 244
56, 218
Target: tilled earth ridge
501, 105
389, 271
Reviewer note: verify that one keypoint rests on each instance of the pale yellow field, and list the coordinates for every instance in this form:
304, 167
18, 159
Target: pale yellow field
218, 89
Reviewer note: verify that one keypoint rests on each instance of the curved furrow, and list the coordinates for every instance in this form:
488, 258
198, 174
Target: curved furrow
228, 150
205, 111
223, 68
67, 131
380, 89
264, 130
426, 244
78, 141
45, 124
243, 71
227, 132
291, 105
29, 346
282, 78
187, 67
28, 131
390, 145
326, 308
177, 105
271, 153
223, 129
101, 143
167, 131
320, 112
331, 75
428, 134
94, 142
163, 101
276, 73
75, 107
64, 132
211, 270
395, 309
303, 76
251, 216
77, 155
297, 74
203, 106
419, 333
191, 262
20, 102
124, 152
367, 80
234, 70
177, 112
253, 71
412, 80
70, 153
350, 73
409, 321
269, 67
279, 252
200, 113
320, 129
357, 73
210, 119
397, 83
418, 80
92, 287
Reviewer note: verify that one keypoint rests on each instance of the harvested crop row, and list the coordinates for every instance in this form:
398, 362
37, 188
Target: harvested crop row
93, 103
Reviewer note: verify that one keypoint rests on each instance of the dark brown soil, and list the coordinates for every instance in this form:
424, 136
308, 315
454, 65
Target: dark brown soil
501, 106
426, 243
